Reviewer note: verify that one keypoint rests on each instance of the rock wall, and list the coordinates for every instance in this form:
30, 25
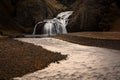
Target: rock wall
93, 15
28, 12
89, 15
32, 11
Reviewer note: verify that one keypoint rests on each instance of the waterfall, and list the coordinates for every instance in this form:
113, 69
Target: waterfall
36, 27
49, 28
56, 25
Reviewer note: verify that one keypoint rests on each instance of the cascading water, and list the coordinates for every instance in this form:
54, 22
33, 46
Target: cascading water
36, 27
56, 25
49, 28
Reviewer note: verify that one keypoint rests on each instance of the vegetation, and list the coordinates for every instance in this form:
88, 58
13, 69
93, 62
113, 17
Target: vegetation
18, 58
89, 15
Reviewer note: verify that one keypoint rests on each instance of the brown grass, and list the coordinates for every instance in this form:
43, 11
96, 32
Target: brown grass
18, 58
100, 39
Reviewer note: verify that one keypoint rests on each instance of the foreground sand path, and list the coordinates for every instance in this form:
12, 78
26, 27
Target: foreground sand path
83, 62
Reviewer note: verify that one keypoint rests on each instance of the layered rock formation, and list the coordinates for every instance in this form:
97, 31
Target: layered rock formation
32, 11
28, 12
67, 2
93, 15
89, 15
7, 24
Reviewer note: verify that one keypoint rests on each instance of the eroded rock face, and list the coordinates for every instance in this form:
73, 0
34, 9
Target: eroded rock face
89, 15
32, 11
28, 12
92, 15
67, 2
7, 25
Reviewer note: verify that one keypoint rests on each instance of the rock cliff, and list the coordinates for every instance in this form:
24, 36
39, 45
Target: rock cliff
94, 15
28, 12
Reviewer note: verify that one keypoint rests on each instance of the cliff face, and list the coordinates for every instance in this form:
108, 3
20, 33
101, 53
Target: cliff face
67, 2
93, 15
6, 7
7, 24
32, 11
28, 12
89, 15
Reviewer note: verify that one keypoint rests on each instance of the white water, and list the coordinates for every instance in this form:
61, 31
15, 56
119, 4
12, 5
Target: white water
83, 62
36, 27
56, 25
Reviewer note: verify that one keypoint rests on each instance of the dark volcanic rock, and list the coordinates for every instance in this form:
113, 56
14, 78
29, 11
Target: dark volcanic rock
92, 15
28, 12
10, 27
89, 15
67, 2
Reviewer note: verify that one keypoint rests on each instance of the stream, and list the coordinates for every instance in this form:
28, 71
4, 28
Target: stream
83, 62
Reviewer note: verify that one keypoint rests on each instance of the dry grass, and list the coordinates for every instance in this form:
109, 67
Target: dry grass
18, 58
99, 35
98, 39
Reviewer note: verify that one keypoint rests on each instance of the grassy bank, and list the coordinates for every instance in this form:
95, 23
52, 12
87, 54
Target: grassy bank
18, 58
99, 39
